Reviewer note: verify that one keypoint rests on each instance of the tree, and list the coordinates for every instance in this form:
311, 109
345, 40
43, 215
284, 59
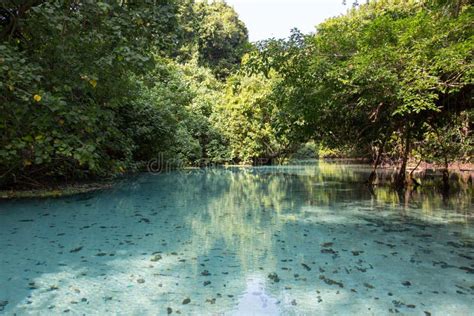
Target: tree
253, 122
214, 35
376, 77
66, 73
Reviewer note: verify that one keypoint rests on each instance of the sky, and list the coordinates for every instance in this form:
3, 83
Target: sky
275, 18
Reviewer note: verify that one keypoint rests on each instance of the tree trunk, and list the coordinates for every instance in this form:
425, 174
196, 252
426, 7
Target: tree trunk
373, 174
401, 183
415, 182
446, 177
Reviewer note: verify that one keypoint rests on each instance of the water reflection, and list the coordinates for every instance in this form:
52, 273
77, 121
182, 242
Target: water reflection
268, 240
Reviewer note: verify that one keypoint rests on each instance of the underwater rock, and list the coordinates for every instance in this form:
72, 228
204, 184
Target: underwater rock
307, 268
211, 300
462, 244
186, 301
406, 283
467, 269
386, 244
101, 254
368, 285
2, 305
206, 283
156, 258
76, 249
293, 302
398, 303
141, 281
274, 277
395, 230
329, 281
327, 244
205, 273
169, 310
442, 264
329, 250
356, 253
466, 256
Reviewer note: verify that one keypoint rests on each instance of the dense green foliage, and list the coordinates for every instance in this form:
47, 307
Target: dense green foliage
391, 77
213, 36
90, 88
99, 88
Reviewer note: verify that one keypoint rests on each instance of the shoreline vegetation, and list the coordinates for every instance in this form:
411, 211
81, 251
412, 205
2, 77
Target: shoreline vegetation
55, 191
460, 172
96, 89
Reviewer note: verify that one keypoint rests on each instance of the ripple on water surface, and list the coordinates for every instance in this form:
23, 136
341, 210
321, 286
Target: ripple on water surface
269, 240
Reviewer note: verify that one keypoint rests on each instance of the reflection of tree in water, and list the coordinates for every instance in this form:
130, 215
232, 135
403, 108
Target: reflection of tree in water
243, 209
246, 208
345, 182
246, 213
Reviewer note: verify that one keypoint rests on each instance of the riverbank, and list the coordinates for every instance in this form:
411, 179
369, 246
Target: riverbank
58, 190
52, 190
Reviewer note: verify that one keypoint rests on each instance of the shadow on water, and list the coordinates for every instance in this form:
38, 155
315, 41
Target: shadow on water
290, 239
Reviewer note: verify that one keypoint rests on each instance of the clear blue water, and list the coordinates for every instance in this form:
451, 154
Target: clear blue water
295, 240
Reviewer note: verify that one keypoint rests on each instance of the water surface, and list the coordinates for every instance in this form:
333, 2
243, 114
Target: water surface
294, 240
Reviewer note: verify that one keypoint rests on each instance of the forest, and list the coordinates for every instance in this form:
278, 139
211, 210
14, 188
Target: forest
96, 89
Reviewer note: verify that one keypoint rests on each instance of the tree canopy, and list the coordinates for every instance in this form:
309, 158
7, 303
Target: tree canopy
97, 88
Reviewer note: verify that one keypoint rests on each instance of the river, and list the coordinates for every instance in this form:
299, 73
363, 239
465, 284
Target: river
291, 240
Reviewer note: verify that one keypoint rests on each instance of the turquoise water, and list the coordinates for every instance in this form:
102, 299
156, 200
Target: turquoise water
295, 240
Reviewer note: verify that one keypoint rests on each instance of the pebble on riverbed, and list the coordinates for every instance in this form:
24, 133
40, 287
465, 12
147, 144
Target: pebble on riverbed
329, 281
2, 305
156, 258
274, 277
307, 268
